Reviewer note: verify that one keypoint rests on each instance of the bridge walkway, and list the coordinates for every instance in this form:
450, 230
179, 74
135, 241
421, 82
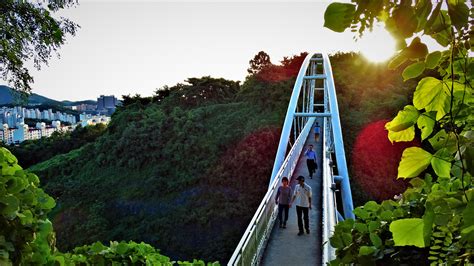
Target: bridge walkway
285, 247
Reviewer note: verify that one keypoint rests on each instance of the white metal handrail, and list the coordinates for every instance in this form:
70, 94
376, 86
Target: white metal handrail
251, 245
328, 217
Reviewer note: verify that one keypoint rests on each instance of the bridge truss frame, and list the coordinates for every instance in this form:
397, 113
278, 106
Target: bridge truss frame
298, 124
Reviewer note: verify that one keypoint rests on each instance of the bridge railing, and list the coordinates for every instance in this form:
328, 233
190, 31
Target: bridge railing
252, 244
328, 213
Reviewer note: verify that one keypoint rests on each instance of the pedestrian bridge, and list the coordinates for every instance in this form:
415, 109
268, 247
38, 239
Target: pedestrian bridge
313, 100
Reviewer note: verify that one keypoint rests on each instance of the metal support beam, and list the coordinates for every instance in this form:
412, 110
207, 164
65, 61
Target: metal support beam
317, 76
346, 193
287, 124
340, 218
312, 114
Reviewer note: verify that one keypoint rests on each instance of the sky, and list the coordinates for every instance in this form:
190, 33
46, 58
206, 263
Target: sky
126, 47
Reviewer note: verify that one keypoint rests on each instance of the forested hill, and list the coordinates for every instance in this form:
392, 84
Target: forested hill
184, 170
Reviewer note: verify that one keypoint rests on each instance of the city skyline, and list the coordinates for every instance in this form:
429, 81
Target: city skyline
126, 47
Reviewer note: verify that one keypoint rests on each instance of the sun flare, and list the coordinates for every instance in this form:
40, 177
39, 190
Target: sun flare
378, 45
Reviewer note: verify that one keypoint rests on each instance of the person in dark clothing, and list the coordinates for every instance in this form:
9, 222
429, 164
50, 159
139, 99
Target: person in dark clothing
311, 161
283, 198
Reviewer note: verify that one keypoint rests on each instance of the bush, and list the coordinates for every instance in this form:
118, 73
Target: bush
121, 253
26, 234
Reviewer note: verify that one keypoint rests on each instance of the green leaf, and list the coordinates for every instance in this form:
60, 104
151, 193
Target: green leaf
413, 70
122, 248
386, 215
45, 227
441, 23
469, 157
403, 21
442, 37
468, 234
376, 240
10, 205
444, 140
408, 232
441, 162
404, 119
46, 201
433, 95
416, 49
97, 247
338, 16
468, 214
432, 19
432, 59
60, 260
371, 206
374, 225
426, 122
361, 227
397, 61
361, 213
428, 219
366, 250
340, 240
440, 29
15, 184
404, 135
458, 12
26, 217
414, 161
422, 10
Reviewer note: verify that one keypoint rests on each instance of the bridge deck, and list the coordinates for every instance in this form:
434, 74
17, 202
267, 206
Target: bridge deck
285, 247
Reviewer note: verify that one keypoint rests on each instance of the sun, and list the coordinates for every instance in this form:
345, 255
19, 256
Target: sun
378, 45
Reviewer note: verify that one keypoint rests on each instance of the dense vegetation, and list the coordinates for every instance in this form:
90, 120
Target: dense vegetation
27, 236
31, 152
181, 169
432, 221
157, 173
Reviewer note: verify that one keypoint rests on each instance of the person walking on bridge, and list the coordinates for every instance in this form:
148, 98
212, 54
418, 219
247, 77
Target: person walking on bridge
283, 198
311, 161
317, 132
302, 199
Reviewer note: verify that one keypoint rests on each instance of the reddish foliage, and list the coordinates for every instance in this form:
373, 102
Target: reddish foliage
288, 69
375, 161
249, 163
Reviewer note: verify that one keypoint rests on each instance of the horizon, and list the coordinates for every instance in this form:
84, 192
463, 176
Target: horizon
163, 43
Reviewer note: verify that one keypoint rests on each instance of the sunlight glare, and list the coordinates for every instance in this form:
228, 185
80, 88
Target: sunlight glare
378, 45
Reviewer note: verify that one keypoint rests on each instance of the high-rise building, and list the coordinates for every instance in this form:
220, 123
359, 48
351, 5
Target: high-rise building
106, 102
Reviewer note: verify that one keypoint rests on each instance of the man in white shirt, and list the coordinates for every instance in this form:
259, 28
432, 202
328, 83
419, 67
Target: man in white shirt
302, 199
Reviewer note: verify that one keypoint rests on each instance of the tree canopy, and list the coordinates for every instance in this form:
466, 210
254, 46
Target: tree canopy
29, 31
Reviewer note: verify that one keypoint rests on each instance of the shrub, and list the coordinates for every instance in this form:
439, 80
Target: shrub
26, 234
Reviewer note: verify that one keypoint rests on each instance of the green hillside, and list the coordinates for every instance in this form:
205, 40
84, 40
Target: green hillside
184, 169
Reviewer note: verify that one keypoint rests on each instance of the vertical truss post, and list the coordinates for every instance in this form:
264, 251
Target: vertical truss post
346, 193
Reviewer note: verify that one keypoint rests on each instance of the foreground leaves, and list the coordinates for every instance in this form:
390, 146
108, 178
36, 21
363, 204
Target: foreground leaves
338, 16
433, 222
414, 161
